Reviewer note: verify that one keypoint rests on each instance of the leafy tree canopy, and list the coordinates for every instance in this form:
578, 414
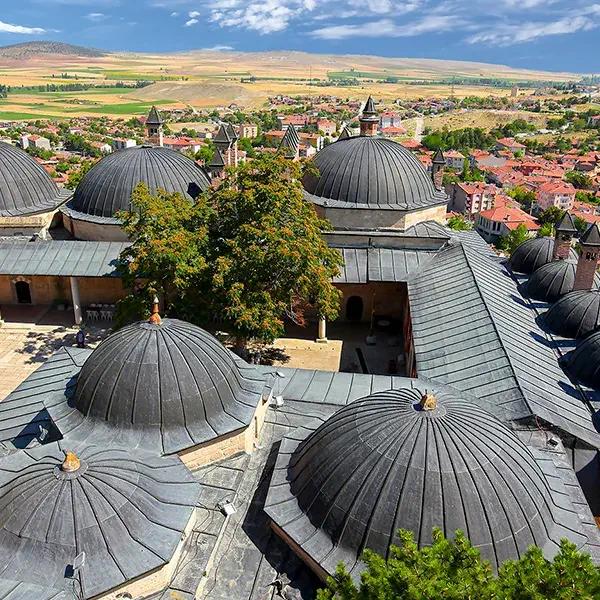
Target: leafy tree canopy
513, 239
453, 570
579, 180
249, 253
459, 223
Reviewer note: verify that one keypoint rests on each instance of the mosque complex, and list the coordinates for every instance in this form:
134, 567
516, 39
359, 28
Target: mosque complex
161, 465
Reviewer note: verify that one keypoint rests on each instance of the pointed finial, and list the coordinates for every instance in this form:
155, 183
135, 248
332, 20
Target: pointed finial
155, 316
428, 401
71, 462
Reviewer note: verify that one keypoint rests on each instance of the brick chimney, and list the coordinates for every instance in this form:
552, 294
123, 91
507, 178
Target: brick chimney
565, 231
438, 165
369, 119
588, 259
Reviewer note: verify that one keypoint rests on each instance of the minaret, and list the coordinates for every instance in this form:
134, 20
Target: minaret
226, 143
588, 259
154, 127
565, 231
216, 167
369, 119
438, 165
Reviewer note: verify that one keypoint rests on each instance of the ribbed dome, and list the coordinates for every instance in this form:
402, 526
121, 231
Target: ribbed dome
174, 378
532, 254
383, 463
126, 511
107, 188
575, 315
584, 362
371, 172
25, 188
552, 280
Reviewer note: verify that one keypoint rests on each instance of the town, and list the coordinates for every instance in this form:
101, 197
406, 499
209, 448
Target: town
276, 324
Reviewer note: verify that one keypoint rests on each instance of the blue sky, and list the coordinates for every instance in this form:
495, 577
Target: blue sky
541, 34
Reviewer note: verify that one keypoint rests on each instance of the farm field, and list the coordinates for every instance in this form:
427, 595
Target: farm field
485, 119
207, 80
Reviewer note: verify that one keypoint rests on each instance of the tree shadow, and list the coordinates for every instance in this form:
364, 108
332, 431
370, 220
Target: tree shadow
40, 345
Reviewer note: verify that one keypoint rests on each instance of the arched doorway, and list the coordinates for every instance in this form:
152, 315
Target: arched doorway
354, 308
23, 292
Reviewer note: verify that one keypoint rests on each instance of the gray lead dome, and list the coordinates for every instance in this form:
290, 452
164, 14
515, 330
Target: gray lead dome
532, 254
107, 188
552, 280
370, 172
575, 315
382, 463
172, 380
584, 362
25, 188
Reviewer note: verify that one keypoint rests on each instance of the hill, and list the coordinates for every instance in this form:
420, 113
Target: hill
27, 50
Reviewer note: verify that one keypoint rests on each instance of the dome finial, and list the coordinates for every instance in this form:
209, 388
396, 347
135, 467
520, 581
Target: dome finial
428, 401
71, 462
155, 316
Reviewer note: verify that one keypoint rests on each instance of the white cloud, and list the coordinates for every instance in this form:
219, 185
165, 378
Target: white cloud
10, 28
193, 14
217, 48
519, 33
174, 14
96, 16
389, 28
191, 22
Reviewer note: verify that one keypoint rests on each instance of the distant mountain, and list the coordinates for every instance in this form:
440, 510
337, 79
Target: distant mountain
33, 49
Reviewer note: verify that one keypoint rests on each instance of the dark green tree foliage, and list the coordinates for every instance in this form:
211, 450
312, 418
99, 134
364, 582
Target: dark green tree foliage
579, 180
249, 253
453, 570
459, 223
510, 241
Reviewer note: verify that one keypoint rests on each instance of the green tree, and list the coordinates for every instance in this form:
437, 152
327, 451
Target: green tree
580, 224
551, 215
546, 230
525, 197
454, 570
459, 223
513, 239
250, 253
579, 180
76, 176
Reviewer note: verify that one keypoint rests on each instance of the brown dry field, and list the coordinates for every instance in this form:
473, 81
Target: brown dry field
206, 79
486, 119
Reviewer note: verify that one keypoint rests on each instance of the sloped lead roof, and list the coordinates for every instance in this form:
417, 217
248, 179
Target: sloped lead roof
383, 463
25, 188
107, 188
371, 172
126, 511
473, 330
172, 386
17, 590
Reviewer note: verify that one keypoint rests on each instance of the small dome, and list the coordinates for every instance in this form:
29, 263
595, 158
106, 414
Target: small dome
575, 315
532, 254
25, 188
584, 362
371, 172
384, 463
126, 511
172, 378
552, 280
107, 188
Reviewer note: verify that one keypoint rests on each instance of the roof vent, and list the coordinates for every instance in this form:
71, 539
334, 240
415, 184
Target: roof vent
428, 401
71, 463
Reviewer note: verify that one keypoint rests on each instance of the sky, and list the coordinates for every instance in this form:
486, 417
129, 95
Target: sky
556, 35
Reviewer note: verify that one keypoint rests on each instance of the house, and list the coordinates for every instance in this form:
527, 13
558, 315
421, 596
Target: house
248, 130
390, 119
555, 193
122, 143
511, 145
497, 222
183, 144
36, 141
297, 121
454, 160
392, 131
594, 121
327, 127
471, 198
412, 145
102, 147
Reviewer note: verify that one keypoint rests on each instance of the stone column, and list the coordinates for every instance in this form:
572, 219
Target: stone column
322, 339
76, 300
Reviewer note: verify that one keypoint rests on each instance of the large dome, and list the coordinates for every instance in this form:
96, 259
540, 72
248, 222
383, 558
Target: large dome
25, 188
126, 511
532, 254
107, 188
384, 463
371, 172
575, 315
552, 280
584, 362
173, 383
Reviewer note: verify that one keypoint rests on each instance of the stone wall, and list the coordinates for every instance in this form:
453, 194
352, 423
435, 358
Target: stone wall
97, 232
382, 298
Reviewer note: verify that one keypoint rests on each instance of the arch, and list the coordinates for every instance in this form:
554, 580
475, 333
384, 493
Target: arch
23, 291
354, 308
